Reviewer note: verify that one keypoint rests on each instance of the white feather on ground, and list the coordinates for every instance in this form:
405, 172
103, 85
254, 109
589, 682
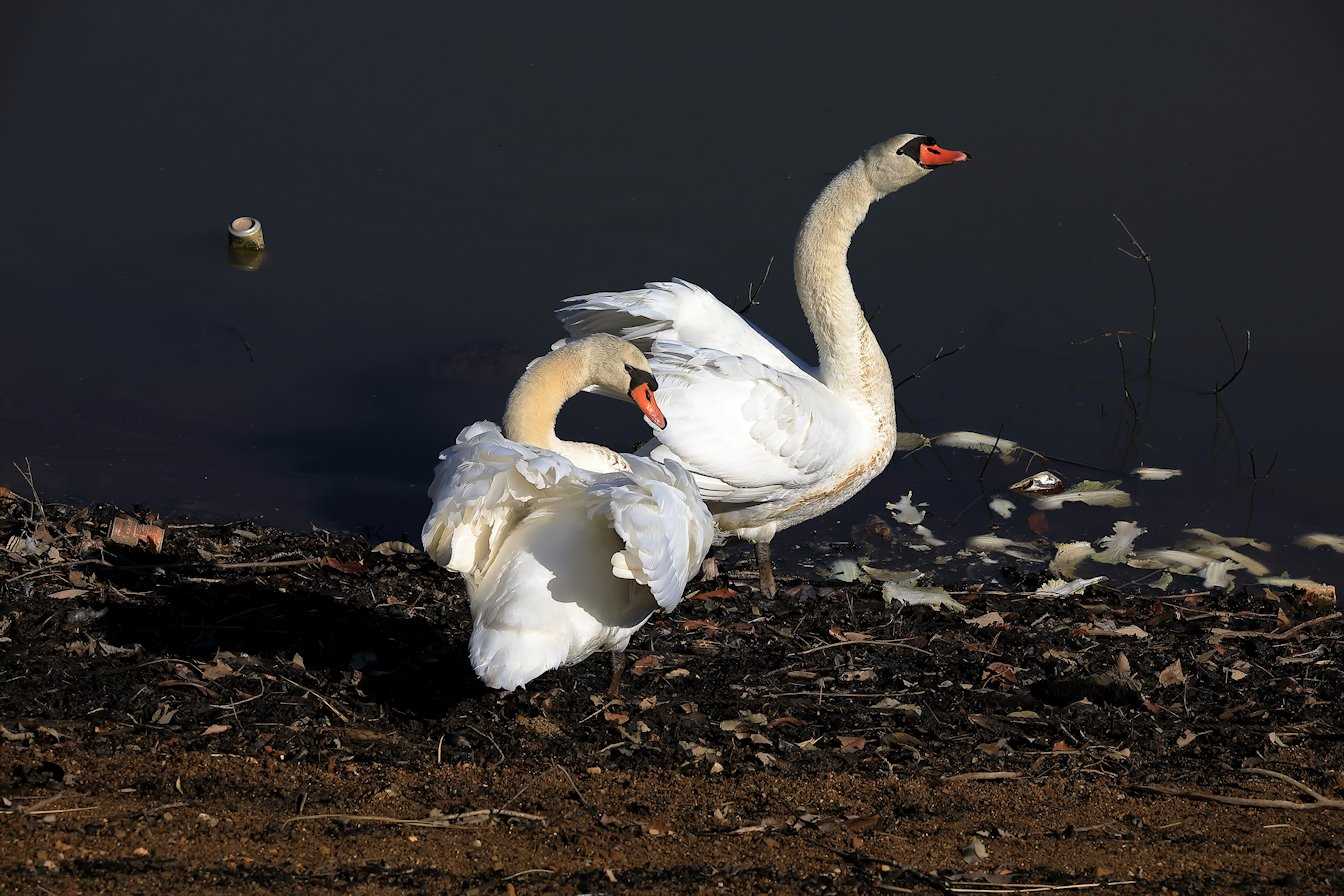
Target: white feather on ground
1313, 540
1119, 547
1068, 556
1089, 493
1155, 474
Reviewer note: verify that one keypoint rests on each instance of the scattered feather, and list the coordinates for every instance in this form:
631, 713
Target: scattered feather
975, 441
1217, 574
1119, 547
904, 576
905, 511
1067, 557
1089, 492
1224, 552
1182, 563
1234, 541
928, 537
993, 544
1155, 474
1003, 507
843, 569
895, 592
1061, 588
1313, 540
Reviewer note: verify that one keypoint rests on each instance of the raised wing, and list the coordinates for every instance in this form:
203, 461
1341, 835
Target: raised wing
676, 311
658, 513
482, 488
746, 431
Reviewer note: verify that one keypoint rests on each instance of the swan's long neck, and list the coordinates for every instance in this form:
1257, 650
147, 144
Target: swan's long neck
535, 402
851, 360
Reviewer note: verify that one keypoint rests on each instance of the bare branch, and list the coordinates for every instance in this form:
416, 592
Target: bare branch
754, 289
1240, 366
936, 358
1141, 254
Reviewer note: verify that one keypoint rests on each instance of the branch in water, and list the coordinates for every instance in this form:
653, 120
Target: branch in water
1240, 366
754, 289
1141, 254
936, 358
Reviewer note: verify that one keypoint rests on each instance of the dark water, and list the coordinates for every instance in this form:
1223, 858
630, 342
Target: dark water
433, 180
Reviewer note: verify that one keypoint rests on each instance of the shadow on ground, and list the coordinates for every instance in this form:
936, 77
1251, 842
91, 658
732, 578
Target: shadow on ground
409, 664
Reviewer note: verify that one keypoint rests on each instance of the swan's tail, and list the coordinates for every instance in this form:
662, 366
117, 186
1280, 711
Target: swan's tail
509, 658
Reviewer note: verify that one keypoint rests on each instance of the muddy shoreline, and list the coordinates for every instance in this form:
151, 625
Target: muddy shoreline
254, 710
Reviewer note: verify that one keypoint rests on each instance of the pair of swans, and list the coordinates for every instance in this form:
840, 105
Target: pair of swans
568, 548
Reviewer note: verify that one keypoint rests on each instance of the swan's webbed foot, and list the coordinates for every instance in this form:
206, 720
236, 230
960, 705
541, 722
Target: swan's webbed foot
766, 570
617, 670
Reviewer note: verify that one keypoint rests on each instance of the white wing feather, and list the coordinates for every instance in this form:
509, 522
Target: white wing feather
745, 431
659, 515
676, 311
482, 488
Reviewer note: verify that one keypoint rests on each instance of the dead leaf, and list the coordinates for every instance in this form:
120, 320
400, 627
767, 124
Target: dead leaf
1173, 674
214, 729
646, 664
68, 593
216, 670
988, 619
974, 851
839, 635
388, 548
851, 744
1108, 629
343, 566
1186, 739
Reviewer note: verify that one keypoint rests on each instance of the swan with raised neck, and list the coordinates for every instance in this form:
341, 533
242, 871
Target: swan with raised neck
850, 360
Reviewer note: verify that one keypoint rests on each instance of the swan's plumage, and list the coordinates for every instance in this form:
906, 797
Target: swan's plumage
560, 561
749, 432
676, 311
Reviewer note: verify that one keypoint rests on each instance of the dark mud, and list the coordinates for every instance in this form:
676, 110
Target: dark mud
177, 722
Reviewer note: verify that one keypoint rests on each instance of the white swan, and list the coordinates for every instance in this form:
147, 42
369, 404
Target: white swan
567, 548
771, 441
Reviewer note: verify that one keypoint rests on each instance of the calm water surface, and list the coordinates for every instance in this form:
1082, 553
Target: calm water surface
433, 181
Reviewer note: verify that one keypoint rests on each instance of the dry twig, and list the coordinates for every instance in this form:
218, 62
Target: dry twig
1317, 800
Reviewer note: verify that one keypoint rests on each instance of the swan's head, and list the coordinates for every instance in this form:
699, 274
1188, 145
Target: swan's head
618, 366
894, 163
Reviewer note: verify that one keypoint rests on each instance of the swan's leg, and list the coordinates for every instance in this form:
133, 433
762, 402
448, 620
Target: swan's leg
617, 670
767, 572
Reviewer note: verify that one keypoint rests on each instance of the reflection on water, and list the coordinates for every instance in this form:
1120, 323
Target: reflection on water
434, 185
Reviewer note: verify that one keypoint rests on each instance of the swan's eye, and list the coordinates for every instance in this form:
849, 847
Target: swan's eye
641, 378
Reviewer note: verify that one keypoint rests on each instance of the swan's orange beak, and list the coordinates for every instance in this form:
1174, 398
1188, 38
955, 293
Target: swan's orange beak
931, 155
642, 396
